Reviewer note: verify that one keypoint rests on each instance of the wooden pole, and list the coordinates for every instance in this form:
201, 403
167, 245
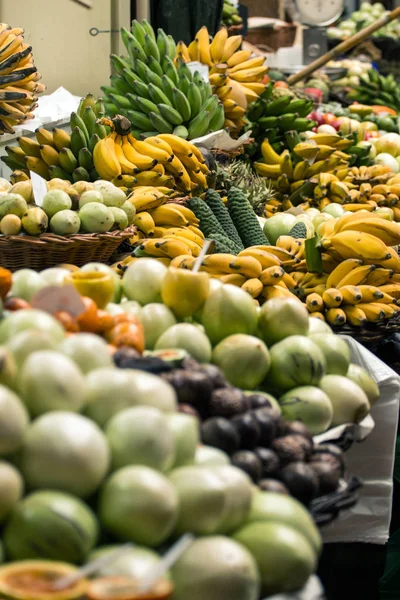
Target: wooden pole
344, 46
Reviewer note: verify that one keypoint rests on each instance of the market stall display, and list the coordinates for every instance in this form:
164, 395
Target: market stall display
171, 362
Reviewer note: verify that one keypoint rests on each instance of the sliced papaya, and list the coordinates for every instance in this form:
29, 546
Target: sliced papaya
35, 580
113, 588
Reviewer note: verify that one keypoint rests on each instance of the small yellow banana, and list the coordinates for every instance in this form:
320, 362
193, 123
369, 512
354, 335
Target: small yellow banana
272, 275
355, 315
253, 286
332, 298
351, 294
356, 244
373, 312
335, 316
356, 277
145, 222
169, 215
265, 258
232, 279
314, 303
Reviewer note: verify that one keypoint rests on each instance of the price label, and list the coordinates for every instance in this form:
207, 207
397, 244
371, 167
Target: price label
39, 187
55, 298
200, 68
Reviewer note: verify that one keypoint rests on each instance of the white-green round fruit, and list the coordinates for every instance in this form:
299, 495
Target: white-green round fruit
54, 276
87, 350
112, 195
13, 422
295, 361
215, 568
26, 283
96, 218
350, 403
51, 381
51, 525
280, 318
228, 310
185, 336
335, 350
310, 405
362, 378
130, 211
131, 308
134, 562
319, 220
278, 508
8, 368
155, 318
114, 309
140, 505
141, 436
318, 326
278, 225
238, 497
185, 430
120, 218
54, 201
32, 319
202, 500
11, 489
127, 388
142, 280
284, 556
25, 343
334, 209
64, 451
243, 359
207, 456
65, 222
90, 196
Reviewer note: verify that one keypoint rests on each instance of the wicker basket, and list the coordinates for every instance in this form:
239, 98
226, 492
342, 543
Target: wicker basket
372, 333
48, 250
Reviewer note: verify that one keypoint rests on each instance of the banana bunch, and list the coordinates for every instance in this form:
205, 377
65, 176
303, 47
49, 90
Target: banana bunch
291, 173
353, 293
230, 14
273, 117
59, 154
235, 76
377, 89
18, 79
160, 160
157, 94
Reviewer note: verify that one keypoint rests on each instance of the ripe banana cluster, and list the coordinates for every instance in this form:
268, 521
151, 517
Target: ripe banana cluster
291, 173
59, 154
273, 117
157, 93
162, 160
19, 79
353, 293
235, 76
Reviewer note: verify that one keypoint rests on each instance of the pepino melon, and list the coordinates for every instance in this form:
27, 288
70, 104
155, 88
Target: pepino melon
25, 343
185, 430
11, 489
13, 422
207, 456
135, 562
51, 525
64, 451
88, 351
22, 320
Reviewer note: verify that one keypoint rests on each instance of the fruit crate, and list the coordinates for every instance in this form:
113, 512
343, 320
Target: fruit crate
49, 250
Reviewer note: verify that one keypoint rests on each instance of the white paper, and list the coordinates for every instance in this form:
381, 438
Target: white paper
52, 108
39, 187
372, 460
198, 66
221, 140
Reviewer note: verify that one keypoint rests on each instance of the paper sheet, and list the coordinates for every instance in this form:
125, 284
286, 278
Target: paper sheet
221, 140
372, 460
52, 108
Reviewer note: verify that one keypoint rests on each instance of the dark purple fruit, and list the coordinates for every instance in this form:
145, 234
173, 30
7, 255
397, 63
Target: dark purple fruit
331, 454
228, 402
269, 460
289, 449
248, 429
128, 358
191, 387
188, 410
301, 481
267, 424
328, 477
259, 401
215, 375
288, 427
249, 463
272, 485
220, 433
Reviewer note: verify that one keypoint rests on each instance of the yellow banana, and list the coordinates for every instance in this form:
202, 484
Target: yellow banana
314, 303
356, 244
265, 258
356, 277
332, 298
174, 247
30, 146
61, 138
45, 137
253, 286
232, 279
393, 262
340, 189
37, 165
153, 247
145, 201
182, 51
169, 215
335, 316
271, 171
187, 213
230, 47
185, 261
393, 289
203, 39
257, 61
220, 263
373, 312
253, 74
105, 159
318, 315
276, 291
371, 293
195, 249
387, 231
142, 162
355, 315
269, 155
306, 150
49, 155
351, 294
282, 254
186, 233
127, 167
238, 58
288, 280
147, 178
218, 44
155, 147
271, 275
379, 277
145, 222
194, 51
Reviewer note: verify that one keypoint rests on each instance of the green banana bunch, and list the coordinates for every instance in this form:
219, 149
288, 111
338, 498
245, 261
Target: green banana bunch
156, 93
230, 14
377, 89
59, 154
274, 117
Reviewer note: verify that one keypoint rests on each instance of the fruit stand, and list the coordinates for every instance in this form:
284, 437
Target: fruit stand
198, 272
